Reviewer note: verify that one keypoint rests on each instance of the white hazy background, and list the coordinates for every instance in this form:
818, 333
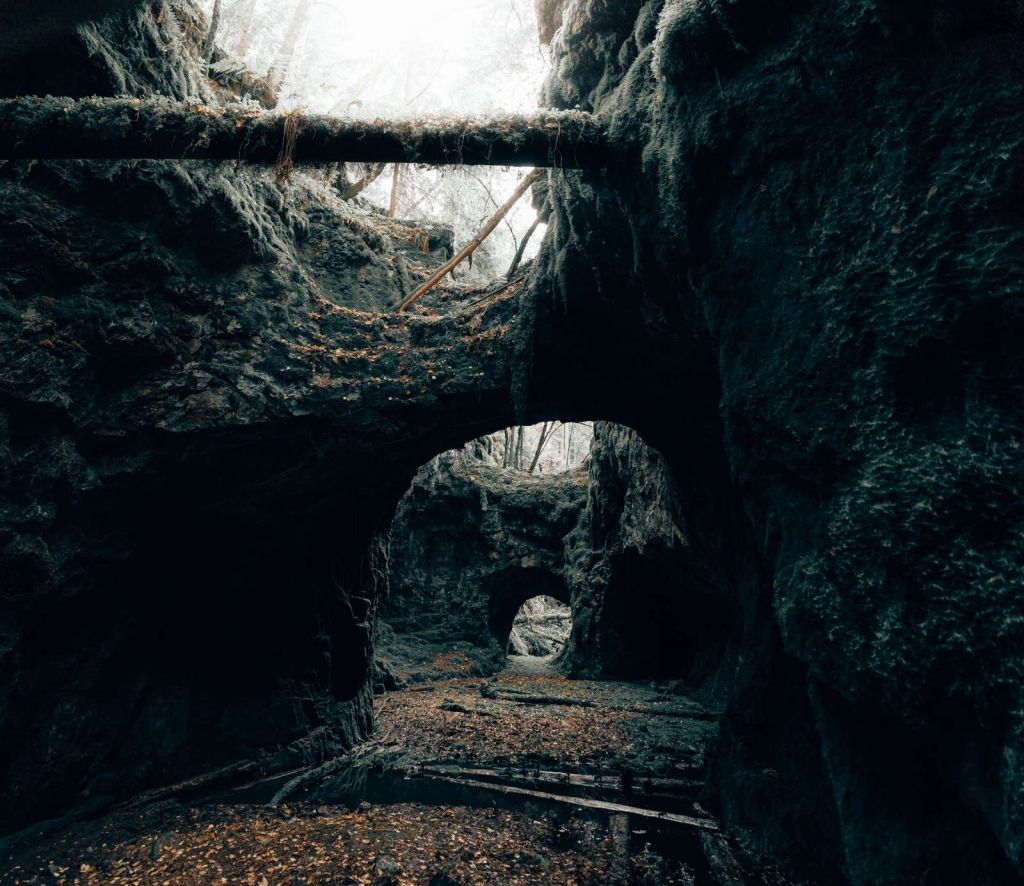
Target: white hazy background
408, 58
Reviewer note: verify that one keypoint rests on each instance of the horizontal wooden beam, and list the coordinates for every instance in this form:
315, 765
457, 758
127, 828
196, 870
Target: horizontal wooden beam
111, 129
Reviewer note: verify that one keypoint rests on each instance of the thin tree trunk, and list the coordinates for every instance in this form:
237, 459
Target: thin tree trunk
540, 447
211, 35
519, 447
354, 190
396, 180
247, 16
472, 246
279, 70
521, 251
545, 438
127, 129
507, 455
568, 450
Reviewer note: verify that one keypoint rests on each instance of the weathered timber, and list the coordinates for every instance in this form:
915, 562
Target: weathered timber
619, 874
124, 128
639, 784
307, 777
684, 713
226, 775
672, 817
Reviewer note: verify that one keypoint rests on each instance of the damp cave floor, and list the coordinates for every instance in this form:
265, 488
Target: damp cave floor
467, 781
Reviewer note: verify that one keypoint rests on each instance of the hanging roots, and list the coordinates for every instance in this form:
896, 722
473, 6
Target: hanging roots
286, 159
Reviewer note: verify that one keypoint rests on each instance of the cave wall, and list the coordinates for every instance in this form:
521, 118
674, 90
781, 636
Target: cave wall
828, 198
645, 605
206, 416
470, 543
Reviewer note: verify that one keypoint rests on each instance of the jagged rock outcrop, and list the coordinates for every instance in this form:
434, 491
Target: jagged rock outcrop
829, 201
470, 544
644, 605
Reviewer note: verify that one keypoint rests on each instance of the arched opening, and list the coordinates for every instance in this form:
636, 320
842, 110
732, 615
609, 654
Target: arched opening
540, 629
594, 524
509, 592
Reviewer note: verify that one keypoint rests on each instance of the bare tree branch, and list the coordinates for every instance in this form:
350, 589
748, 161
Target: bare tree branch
354, 190
472, 246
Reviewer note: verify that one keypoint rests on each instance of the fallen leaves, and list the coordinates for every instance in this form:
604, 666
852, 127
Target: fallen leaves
399, 844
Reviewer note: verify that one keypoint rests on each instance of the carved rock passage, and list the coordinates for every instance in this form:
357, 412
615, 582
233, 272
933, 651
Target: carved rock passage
830, 195
470, 544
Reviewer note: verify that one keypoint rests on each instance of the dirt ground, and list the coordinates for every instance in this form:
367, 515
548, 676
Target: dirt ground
523, 778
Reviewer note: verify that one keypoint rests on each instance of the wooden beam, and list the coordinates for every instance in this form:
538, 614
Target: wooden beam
706, 824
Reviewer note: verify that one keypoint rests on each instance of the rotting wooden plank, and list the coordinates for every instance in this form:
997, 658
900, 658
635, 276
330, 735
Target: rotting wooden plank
687, 713
705, 824
620, 874
638, 784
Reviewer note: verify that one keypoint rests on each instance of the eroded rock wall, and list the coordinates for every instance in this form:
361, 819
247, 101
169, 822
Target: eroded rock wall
828, 197
197, 379
645, 605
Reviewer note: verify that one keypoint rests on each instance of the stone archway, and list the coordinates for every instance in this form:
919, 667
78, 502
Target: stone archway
508, 590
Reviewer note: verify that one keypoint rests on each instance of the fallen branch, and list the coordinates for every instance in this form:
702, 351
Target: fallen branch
454, 706
217, 778
129, 129
308, 777
687, 820
525, 698
474, 244
517, 260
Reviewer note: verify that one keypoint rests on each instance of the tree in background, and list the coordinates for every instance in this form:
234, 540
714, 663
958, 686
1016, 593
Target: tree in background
349, 59
547, 448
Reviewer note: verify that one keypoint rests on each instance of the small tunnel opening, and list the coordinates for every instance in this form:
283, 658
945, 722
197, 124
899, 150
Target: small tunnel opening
540, 629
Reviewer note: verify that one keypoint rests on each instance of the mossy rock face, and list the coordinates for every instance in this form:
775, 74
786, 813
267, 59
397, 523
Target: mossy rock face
800, 206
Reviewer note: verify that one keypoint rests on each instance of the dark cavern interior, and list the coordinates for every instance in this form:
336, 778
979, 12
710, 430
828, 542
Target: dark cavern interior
599, 463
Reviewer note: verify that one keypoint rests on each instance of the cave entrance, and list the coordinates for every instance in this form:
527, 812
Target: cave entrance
540, 629
480, 533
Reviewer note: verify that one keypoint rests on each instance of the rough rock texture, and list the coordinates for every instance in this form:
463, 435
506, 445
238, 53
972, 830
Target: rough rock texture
643, 604
472, 542
830, 198
196, 386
